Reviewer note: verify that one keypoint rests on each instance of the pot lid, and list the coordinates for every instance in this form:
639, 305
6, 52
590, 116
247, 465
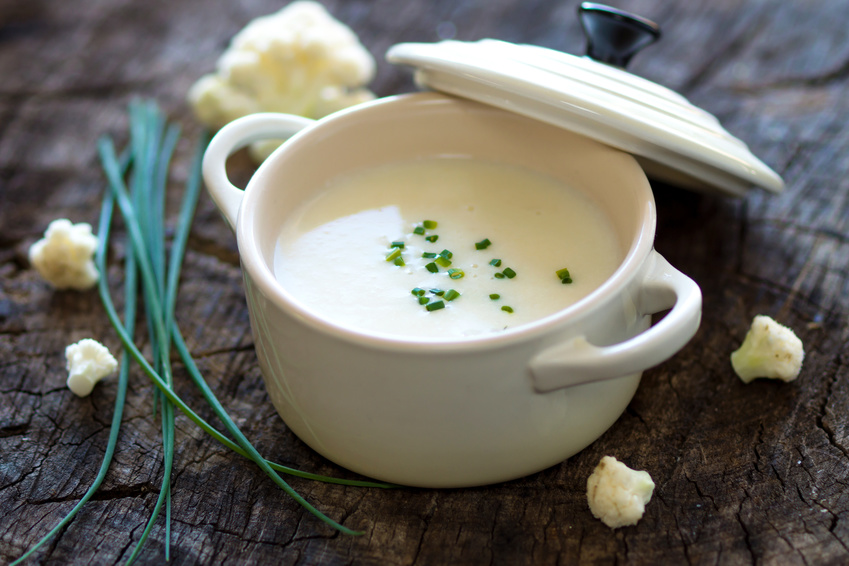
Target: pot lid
673, 140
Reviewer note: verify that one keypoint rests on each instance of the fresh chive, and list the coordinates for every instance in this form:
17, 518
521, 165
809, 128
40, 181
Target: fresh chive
395, 253
244, 447
494, 296
419, 230
432, 238
564, 276
495, 262
455, 273
451, 294
442, 261
509, 273
483, 244
499, 275
423, 300
429, 255
505, 308
432, 267
435, 306
418, 291
399, 261
397, 245
446, 254
437, 292
430, 224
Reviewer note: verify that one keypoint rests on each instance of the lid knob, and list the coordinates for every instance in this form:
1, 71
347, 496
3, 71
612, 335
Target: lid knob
613, 35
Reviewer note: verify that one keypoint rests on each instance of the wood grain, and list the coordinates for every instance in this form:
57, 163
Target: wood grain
745, 474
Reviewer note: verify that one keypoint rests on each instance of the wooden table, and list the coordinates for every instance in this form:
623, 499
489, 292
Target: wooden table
745, 473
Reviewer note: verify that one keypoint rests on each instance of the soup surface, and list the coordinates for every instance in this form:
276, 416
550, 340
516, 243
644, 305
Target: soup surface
335, 254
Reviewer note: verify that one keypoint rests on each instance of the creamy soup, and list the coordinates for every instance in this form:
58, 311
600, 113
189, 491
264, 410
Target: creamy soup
339, 253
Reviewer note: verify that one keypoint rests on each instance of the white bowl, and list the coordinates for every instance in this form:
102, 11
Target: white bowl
467, 411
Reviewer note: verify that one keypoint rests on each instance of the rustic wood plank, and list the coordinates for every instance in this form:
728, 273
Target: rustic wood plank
745, 473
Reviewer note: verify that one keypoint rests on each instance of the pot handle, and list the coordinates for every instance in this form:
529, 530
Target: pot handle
577, 361
232, 137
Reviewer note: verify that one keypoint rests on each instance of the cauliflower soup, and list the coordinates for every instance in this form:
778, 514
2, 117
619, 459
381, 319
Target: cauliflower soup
444, 247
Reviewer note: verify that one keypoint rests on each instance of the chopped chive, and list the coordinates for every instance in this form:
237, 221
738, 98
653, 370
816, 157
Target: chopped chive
437, 292
509, 273
429, 255
483, 244
495, 262
419, 230
432, 267
442, 261
423, 300
455, 273
435, 306
432, 238
418, 291
505, 308
399, 261
397, 245
494, 296
499, 275
446, 254
564, 276
396, 252
451, 294
430, 224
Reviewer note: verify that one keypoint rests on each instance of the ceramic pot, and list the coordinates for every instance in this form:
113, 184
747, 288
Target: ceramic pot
466, 411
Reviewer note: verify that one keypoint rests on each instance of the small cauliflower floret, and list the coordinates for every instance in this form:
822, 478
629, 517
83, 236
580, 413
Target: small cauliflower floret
299, 60
769, 350
617, 494
64, 257
88, 361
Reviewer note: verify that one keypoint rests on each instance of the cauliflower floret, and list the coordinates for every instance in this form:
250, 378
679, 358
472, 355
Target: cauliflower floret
617, 494
88, 361
299, 60
64, 257
769, 350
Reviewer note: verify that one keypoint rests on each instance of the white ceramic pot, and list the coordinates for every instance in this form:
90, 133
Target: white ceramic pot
467, 411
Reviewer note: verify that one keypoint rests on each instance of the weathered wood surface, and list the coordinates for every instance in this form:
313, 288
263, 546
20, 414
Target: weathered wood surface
745, 473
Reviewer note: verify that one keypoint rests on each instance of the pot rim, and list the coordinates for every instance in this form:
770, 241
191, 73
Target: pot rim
263, 277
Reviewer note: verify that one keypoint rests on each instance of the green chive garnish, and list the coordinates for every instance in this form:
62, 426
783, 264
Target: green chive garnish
423, 300
429, 255
418, 291
397, 245
495, 262
442, 261
483, 244
435, 306
437, 292
495, 296
432, 267
499, 275
419, 230
455, 273
399, 261
430, 224
396, 252
451, 294
505, 308
432, 238
446, 254
564, 276
509, 273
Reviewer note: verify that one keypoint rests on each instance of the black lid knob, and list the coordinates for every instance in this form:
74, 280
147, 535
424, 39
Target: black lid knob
613, 35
